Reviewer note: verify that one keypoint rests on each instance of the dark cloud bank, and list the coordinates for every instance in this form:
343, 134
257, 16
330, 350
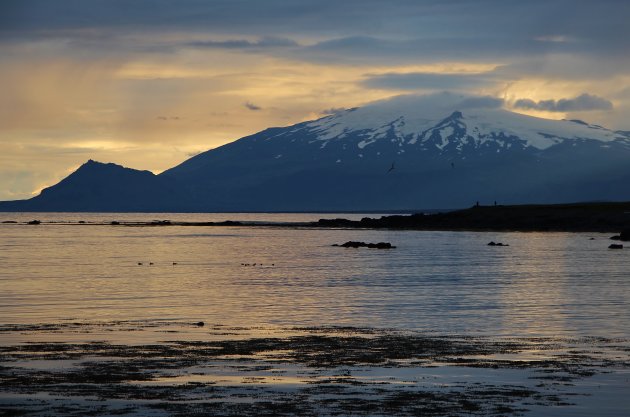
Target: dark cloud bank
583, 102
428, 29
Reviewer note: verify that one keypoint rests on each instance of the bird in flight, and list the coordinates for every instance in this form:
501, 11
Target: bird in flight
391, 168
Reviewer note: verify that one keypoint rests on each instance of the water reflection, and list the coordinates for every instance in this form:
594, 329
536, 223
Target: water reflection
542, 284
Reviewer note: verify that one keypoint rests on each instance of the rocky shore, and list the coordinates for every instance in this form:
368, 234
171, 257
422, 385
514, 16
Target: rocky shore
586, 217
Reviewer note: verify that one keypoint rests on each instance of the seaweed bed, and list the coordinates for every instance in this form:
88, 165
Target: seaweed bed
296, 371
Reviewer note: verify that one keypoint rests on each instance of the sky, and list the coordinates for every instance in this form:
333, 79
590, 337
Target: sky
150, 83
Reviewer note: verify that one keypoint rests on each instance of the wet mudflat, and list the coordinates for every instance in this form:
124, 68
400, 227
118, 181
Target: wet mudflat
182, 369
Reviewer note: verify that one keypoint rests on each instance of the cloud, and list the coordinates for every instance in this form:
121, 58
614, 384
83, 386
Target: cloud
426, 81
457, 46
623, 94
252, 106
482, 102
583, 102
263, 43
333, 110
564, 67
550, 20
335, 32
558, 38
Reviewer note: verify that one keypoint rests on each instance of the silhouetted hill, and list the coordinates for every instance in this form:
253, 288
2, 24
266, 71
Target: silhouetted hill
104, 187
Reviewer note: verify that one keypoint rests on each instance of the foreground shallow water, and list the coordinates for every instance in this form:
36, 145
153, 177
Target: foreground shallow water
191, 369
99, 300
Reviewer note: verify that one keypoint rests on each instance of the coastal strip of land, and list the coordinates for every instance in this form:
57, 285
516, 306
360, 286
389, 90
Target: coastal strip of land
582, 217
586, 217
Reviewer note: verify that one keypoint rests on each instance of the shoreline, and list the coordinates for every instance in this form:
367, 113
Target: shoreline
582, 217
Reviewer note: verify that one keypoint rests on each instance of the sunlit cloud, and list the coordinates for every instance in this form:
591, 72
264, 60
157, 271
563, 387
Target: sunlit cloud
263, 43
333, 110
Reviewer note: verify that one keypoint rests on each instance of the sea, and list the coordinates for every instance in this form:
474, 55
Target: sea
537, 285
85, 296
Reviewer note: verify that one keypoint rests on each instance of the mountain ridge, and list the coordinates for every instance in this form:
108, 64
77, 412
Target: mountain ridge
442, 150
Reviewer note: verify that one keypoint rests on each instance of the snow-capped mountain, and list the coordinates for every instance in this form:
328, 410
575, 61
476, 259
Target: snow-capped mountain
409, 152
446, 119
444, 126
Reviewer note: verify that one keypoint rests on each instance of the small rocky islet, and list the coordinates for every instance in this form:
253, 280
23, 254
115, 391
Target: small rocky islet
355, 244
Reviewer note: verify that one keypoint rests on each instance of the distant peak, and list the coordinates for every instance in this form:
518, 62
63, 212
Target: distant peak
456, 117
91, 162
92, 165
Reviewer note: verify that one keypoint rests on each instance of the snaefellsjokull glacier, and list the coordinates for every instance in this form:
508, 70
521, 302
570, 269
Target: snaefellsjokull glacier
406, 153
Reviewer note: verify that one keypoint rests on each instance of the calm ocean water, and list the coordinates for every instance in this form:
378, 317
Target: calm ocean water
543, 284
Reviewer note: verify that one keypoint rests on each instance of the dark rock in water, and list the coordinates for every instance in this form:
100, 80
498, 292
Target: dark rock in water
615, 246
200, 324
379, 245
160, 223
352, 244
592, 238
335, 223
229, 223
624, 236
34, 222
492, 243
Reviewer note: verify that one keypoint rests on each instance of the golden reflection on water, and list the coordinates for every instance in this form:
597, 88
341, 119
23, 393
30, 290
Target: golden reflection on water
560, 280
542, 284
